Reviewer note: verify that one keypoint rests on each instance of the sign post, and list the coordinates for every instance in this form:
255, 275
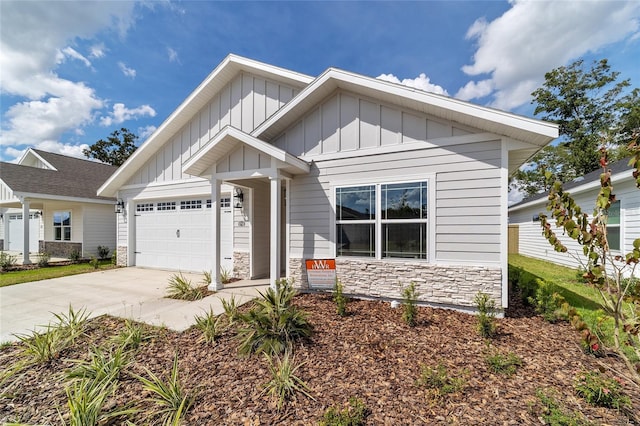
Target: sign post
321, 273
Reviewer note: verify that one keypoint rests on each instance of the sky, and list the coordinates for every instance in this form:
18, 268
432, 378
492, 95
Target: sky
73, 72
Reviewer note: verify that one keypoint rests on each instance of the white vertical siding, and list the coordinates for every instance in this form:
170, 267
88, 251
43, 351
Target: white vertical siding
244, 103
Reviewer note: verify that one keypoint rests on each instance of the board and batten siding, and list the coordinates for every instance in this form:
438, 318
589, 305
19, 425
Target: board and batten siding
533, 244
346, 122
467, 204
99, 228
244, 103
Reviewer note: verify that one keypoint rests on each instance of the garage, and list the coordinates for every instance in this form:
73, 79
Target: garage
15, 237
177, 234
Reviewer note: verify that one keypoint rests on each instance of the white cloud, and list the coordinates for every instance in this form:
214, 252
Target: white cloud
34, 38
145, 132
129, 72
421, 82
62, 148
514, 196
173, 55
533, 37
121, 114
97, 51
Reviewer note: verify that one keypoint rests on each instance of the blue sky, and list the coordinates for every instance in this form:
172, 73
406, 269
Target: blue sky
72, 72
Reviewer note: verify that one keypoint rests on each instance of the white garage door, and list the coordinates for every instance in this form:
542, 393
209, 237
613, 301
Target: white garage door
176, 234
16, 233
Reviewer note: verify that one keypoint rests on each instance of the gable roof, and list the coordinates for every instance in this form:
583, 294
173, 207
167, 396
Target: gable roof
531, 134
70, 177
230, 67
619, 170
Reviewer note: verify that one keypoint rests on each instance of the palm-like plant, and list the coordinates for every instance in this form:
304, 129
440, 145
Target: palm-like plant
275, 323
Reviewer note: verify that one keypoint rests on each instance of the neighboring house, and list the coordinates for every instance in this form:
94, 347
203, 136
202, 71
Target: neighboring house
624, 217
262, 168
59, 194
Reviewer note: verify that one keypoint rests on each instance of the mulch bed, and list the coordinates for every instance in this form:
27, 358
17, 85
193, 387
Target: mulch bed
370, 354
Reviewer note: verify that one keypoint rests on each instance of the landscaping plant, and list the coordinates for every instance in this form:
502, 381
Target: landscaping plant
7, 261
86, 400
505, 364
339, 298
284, 383
409, 307
103, 252
230, 310
181, 288
605, 268
599, 390
210, 325
43, 259
438, 380
274, 323
486, 315
132, 336
353, 415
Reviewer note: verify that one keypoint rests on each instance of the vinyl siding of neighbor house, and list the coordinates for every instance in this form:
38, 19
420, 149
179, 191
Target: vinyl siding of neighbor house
533, 244
244, 104
99, 223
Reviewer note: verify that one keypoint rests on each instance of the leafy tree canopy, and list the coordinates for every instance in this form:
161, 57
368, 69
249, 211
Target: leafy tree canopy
591, 110
115, 150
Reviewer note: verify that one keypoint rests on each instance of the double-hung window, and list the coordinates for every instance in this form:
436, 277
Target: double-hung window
62, 226
613, 226
387, 220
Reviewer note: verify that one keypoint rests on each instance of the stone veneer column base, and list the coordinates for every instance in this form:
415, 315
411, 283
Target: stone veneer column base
60, 248
448, 285
242, 265
121, 256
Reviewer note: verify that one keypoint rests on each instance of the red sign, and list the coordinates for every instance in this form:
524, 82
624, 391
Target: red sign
321, 273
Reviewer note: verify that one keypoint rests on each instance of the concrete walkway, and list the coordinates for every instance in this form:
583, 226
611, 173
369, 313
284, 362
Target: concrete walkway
135, 293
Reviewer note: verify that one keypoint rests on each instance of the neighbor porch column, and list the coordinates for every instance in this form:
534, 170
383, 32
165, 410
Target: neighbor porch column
26, 222
216, 282
275, 234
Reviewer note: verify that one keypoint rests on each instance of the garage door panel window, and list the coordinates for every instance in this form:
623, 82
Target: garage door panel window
166, 206
397, 224
144, 207
62, 226
190, 204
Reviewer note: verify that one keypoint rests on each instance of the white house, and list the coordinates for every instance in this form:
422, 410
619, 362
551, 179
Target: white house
623, 225
58, 194
262, 168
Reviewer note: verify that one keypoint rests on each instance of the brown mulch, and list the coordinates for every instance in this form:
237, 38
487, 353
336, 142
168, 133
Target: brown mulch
370, 354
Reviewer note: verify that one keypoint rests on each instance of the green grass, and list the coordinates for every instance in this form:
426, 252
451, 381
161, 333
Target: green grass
25, 276
584, 298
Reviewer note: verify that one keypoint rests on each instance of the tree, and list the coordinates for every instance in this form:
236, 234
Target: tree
605, 270
115, 150
590, 109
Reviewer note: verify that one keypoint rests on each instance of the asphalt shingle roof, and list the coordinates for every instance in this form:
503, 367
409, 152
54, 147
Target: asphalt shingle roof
74, 177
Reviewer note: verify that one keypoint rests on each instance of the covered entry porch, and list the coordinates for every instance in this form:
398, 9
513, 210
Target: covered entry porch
263, 173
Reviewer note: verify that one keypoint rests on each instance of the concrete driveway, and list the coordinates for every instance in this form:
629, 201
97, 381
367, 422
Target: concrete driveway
135, 293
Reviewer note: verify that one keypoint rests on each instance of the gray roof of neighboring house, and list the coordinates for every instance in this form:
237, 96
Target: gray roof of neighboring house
594, 176
73, 177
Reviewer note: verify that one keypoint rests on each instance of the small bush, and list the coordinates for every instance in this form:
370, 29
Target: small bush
409, 307
132, 336
503, 364
94, 262
353, 415
75, 256
601, 391
210, 325
339, 298
180, 288
274, 323
284, 383
438, 380
43, 259
527, 284
547, 302
170, 396
486, 315
555, 414
230, 310
103, 252
7, 261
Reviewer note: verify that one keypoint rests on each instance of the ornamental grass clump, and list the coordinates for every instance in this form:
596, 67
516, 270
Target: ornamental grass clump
181, 288
210, 325
274, 324
284, 383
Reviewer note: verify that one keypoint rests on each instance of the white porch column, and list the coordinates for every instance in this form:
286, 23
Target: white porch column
216, 282
275, 234
26, 222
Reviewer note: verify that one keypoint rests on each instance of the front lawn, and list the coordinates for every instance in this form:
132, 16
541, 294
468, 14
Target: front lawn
37, 274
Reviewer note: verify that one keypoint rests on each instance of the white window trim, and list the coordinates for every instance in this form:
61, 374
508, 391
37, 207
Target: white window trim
70, 226
430, 178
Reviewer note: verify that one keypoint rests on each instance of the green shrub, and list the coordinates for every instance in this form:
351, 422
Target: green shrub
41, 347
601, 391
103, 252
210, 325
409, 307
114, 257
132, 336
505, 364
353, 415
438, 380
172, 400
43, 259
486, 315
284, 383
73, 323
547, 302
527, 284
181, 288
339, 298
102, 365
555, 414
274, 323
75, 256
94, 262
86, 400
7, 261
230, 310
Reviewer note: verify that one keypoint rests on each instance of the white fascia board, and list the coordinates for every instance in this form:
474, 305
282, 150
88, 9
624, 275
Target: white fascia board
220, 76
39, 197
334, 78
